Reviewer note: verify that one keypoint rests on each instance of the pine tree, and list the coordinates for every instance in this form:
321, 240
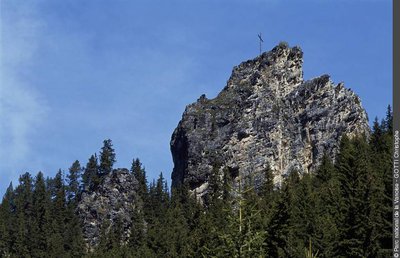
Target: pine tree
107, 158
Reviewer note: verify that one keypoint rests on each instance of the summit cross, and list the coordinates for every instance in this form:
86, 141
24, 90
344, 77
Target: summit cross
261, 41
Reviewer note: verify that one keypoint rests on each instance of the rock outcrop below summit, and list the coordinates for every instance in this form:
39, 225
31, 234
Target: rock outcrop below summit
109, 206
266, 115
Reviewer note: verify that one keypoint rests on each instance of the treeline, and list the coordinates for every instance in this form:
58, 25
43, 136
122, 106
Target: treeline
344, 209
38, 218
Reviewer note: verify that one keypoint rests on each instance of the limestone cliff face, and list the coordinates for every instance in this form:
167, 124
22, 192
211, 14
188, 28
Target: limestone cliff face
266, 115
111, 204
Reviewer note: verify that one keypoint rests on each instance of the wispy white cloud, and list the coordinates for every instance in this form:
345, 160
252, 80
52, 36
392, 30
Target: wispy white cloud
22, 110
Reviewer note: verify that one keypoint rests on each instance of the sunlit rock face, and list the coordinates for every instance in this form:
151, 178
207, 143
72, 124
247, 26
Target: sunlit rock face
266, 115
111, 205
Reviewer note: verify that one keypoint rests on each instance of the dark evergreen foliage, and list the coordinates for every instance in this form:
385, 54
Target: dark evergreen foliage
90, 176
140, 174
107, 158
73, 180
7, 222
342, 210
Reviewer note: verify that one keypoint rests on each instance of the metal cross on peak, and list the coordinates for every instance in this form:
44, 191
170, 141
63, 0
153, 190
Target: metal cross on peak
261, 41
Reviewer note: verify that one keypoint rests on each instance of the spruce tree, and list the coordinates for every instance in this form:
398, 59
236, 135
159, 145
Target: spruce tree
357, 228
268, 196
41, 221
105, 243
116, 232
324, 173
191, 210
377, 135
73, 238
214, 197
161, 194
156, 215
7, 222
158, 201
278, 227
226, 185
140, 174
216, 211
73, 181
243, 235
23, 212
4, 248
370, 197
382, 160
58, 214
90, 176
389, 120
326, 195
349, 243
303, 216
107, 158
175, 232
267, 186
137, 237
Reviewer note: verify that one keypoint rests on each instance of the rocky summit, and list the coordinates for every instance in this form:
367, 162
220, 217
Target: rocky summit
110, 205
266, 116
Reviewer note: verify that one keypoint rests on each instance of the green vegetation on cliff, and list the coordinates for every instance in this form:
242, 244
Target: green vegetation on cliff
341, 210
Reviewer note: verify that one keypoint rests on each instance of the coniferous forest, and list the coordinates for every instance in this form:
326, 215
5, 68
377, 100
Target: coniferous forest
344, 209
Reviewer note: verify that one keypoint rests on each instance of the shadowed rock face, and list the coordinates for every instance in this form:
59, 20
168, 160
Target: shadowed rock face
266, 115
111, 204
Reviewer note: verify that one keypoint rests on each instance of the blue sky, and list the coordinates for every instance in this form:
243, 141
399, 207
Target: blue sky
74, 73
